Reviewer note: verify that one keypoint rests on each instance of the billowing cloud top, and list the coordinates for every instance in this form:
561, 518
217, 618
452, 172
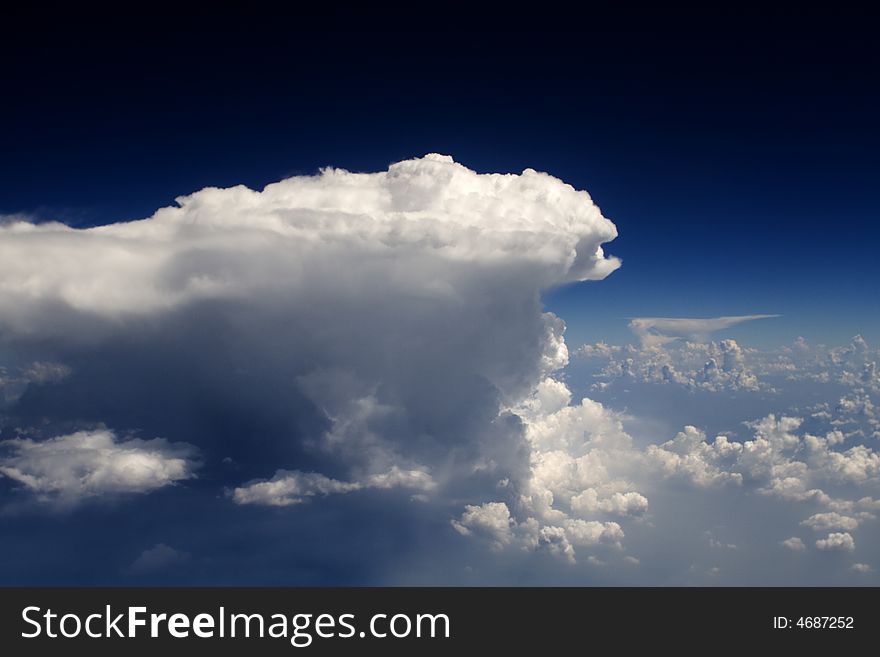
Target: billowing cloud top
420, 214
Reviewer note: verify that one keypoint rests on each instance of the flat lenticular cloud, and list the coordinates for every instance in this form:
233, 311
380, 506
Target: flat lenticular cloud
660, 330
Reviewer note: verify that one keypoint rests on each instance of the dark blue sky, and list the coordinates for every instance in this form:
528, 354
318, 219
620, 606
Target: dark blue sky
736, 154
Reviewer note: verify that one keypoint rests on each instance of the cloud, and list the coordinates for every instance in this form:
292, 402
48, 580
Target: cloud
725, 366
87, 464
15, 383
714, 366
861, 568
828, 521
575, 490
653, 331
331, 334
690, 456
287, 488
837, 541
157, 558
425, 226
794, 544
781, 461
491, 519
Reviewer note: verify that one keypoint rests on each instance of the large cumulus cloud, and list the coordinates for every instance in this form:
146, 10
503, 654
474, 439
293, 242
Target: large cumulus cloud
329, 334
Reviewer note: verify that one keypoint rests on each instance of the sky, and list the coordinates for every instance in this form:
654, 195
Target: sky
319, 300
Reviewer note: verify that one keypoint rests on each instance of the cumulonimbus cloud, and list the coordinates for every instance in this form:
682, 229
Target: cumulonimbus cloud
367, 331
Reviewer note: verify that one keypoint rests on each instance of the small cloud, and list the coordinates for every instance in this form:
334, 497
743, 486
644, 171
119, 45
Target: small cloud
289, 487
832, 520
159, 557
837, 541
86, 464
46, 372
794, 544
491, 519
861, 568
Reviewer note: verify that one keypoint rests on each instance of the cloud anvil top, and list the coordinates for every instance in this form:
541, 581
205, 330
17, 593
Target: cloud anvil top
423, 225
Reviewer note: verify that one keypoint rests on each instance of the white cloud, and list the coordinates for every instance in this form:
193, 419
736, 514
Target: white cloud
414, 227
837, 541
653, 331
574, 485
491, 519
725, 366
861, 568
292, 487
714, 366
689, 455
404, 305
782, 461
400, 310
823, 522
73, 467
795, 544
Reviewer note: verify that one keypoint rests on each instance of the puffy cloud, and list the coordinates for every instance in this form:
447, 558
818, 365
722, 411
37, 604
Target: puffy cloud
837, 541
691, 456
575, 483
630, 503
726, 366
823, 522
785, 462
713, 366
861, 568
491, 519
86, 464
654, 331
425, 226
585, 467
795, 544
